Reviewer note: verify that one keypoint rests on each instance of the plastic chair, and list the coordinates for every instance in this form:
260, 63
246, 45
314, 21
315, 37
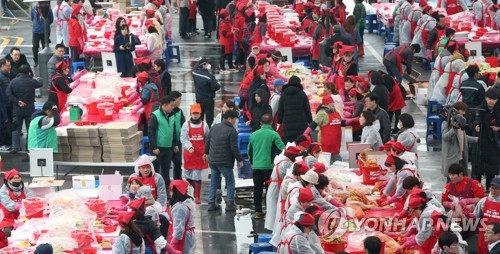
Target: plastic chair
434, 128
170, 50
433, 108
243, 140
257, 248
264, 238
371, 23
243, 128
145, 146
77, 65
237, 100
388, 47
166, 57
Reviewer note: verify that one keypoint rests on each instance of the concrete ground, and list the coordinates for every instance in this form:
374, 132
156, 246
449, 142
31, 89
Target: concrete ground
221, 232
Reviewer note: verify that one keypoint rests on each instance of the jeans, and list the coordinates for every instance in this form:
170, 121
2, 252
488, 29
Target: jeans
207, 110
177, 158
37, 38
393, 70
17, 128
6, 9
227, 172
183, 20
259, 180
163, 162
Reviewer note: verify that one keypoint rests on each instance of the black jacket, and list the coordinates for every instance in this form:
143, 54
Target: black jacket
472, 93
294, 112
489, 140
149, 229
205, 83
222, 145
383, 96
335, 38
22, 88
259, 109
15, 65
166, 82
385, 124
257, 83
4, 83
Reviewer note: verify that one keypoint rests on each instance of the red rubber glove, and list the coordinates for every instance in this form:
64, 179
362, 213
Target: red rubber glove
175, 243
336, 203
449, 205
408, 243
467, 201
402, 214
410, 232
381, 200
171, 250
428, 53
307, 131
389, 201
467, 212
123, 200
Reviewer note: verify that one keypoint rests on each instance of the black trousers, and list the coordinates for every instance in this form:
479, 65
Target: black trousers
192, 26
396, 113
259, 181
37, 39
223, 57
207, 110
177, 158
183, 20
240, 56
74, 54
207, 22
163, 162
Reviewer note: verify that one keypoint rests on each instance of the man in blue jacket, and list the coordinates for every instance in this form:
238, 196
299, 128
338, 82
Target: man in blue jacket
38, 29
205, 85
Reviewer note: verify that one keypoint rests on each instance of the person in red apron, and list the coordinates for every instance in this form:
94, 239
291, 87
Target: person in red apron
433, 36
130, 240
76, 36
296, 239
193, 134
282, 164
308, 18
394, 191
317, 36
59, 87
426, 237
181, 234
411, 183
396, 99
11, 195
339, 12
415, 16
346, 66
144, 169
481, 14
487, 209
398, 56
453, 6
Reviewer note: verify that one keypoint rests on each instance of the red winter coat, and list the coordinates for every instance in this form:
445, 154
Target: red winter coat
239, 24
75, 34
226, 36
192, 9
339, 12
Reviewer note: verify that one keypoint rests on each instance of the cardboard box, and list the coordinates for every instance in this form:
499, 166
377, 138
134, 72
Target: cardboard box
354, 149
42, 186
110, 186
84, 182
381, 156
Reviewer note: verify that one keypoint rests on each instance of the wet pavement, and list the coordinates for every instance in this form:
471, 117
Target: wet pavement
221, 232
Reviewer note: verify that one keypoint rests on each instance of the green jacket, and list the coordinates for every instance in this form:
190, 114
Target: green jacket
264, 145
41, 138
161, 130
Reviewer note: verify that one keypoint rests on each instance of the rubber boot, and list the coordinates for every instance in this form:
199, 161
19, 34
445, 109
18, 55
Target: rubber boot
197, 192
361, 50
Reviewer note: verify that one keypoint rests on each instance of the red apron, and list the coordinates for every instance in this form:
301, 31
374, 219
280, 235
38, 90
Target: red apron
315, 52
9, 217
62, 97
148, 108
491, 213
305, 24
279, 180
401, 201
331, 133
311, 28
140, 247
425, 33
151, 182
441, 34
180, 246
339, 13
396, 100
452, 7
197, 139
413, 24
287, 243
341, 73
438, 63
399, 58
283, 202
451, 77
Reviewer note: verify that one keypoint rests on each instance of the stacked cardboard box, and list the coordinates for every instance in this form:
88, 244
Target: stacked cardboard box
64, 149
85, 143
121, 141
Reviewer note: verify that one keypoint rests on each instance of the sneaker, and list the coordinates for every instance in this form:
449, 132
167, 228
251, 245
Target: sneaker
223, 72
5, 148
213, 207
231, 207
259, 215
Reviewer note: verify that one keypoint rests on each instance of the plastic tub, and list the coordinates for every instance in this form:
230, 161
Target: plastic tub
106, 110
90, 251
334, 247
92, 107
99, 206
371, 174
34, 207
493, 61
14, 250
83, 237
118, 105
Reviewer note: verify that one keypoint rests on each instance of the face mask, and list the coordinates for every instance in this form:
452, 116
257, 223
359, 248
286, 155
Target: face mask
400, 125
16, 184
209, 67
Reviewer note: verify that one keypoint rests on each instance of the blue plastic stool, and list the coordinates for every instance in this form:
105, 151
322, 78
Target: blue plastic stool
66, 57
306, 62
38, 107
166, 57
257, 248
371, 23
170, 49
237, 100
241, 119
77, 65
264, 238
388, 47
243, 140
145, 144
434, 126
243, 128
433, 108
